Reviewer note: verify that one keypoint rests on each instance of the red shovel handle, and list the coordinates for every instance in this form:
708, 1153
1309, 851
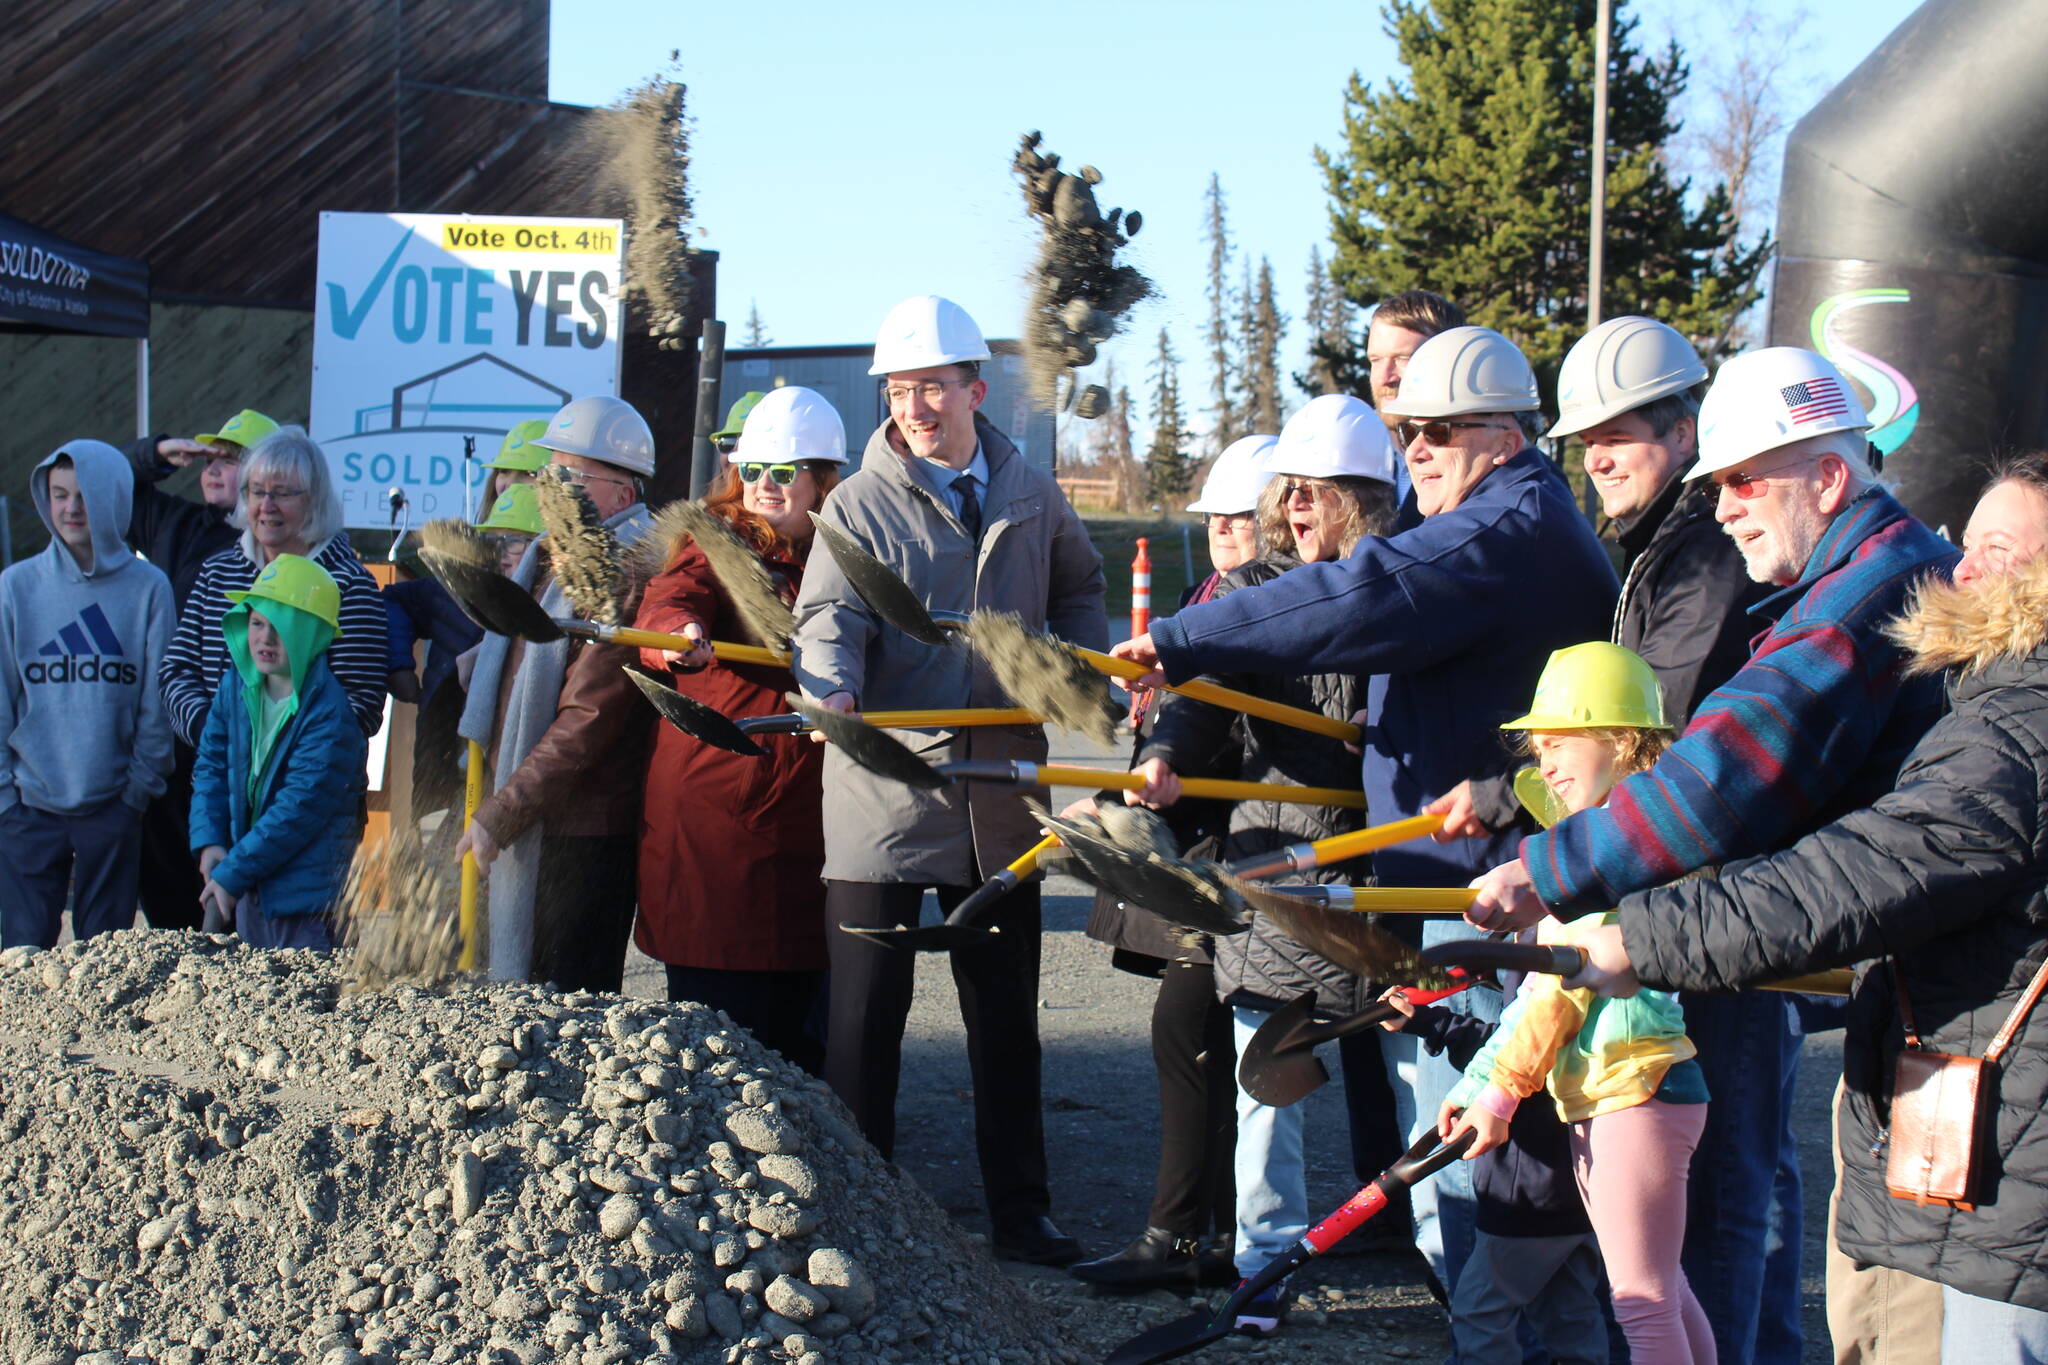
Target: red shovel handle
1420, 1162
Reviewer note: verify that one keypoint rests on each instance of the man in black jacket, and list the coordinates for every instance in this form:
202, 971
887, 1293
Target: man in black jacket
177, 534
1629, 391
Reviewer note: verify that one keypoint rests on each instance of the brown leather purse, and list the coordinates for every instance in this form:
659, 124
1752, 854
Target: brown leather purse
1943, 1109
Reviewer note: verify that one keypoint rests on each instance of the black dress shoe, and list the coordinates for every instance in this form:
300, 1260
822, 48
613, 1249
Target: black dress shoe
1156, 1260
1035, 1241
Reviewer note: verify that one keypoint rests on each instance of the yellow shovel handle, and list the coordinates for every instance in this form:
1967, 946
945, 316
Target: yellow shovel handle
1360, 842
655, 639
1027, 861
1054, 775
943, 719
1412, 900
1228, 698
472, 797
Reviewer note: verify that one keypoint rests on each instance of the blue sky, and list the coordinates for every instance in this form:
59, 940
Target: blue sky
848, 155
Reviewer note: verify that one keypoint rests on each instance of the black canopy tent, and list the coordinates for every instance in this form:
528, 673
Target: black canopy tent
52, 286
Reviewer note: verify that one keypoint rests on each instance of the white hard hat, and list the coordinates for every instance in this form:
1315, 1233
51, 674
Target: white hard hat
1238, 477
791, 424
1333, 437
609, 430
1764, 399
1465, 370
925, 331
1621, 365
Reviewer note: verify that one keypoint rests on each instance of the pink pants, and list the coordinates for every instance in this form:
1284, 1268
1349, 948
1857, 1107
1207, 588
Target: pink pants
1631, 1168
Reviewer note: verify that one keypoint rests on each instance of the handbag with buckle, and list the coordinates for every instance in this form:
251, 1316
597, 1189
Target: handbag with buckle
1943, 1107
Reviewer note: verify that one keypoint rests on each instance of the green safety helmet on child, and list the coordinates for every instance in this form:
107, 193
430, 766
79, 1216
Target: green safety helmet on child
295, 581
728, 436
517, 510
244, 429
518, 453
1595, 686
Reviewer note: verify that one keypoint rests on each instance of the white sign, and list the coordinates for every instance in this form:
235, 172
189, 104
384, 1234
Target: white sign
433, 332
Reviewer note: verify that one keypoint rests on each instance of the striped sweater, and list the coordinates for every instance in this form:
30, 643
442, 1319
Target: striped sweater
1815, 725
198, 655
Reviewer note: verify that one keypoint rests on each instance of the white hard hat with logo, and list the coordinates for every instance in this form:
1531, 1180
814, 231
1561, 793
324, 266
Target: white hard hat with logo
1237, 478
1765, 399
1465, 370
925, 331
791, 424
1333, 437
1619, 366
609, 430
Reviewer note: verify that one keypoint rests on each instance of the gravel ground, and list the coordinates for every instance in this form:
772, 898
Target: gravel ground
1101, 1132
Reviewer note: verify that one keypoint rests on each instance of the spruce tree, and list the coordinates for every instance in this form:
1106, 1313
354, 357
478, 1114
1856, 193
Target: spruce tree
1471, 178
757, 331
1262, 407
1167, 469
1223, 412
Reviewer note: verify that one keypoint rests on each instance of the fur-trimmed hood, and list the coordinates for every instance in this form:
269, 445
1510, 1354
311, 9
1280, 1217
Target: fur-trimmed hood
1947, 626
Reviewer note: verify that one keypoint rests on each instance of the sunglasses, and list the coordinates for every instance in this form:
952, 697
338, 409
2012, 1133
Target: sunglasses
782, 475
1438, 433
1751, 485
1309, 488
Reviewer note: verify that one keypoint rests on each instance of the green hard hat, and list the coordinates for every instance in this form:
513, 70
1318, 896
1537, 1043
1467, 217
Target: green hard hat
519, 454
736, 420
296, 582
244, 429
517, 509
1595, 686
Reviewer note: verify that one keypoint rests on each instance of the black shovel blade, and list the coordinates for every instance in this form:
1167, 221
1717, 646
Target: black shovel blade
880, 753
924, 938
492, 600
888, 596
694, 718
1175, 891
1172, 1340
1273, 1072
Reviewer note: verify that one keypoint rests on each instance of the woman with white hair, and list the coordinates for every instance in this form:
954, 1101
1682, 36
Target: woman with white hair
285, 503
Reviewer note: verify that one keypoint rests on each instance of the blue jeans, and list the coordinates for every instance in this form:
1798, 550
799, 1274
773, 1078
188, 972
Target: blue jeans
1272, 1177
1443, 1205
95, 859
1743, 1216
1978, 1331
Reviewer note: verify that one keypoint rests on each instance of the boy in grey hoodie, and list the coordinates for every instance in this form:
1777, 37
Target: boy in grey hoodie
84, 737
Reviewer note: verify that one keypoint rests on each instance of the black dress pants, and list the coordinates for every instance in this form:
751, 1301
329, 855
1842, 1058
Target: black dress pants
169, 884
1192, 1050
583, 910
998, 983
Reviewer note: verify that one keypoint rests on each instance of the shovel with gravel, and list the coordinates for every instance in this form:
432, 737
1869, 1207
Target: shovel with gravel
1038, 672
712, 727
1170, 1341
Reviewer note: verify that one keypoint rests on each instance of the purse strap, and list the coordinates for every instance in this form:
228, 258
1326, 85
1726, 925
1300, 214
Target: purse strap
2005, 1035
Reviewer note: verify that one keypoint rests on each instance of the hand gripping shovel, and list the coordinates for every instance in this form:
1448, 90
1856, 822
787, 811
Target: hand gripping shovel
963, 926
502, 607
1170, 1341
890, 598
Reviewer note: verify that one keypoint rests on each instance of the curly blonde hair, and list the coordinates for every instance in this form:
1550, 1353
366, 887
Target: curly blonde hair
1636, 747
1368, 510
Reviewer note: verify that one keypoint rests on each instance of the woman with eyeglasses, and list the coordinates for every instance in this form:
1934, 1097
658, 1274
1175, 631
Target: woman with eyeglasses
1332, 486
285, 503
731, 847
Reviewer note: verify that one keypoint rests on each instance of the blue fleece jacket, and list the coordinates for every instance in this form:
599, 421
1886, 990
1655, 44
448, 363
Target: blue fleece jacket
421, 606
294, 841
1454, 615
1815, 725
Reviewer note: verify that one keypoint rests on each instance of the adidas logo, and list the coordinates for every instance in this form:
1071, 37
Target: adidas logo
80, 653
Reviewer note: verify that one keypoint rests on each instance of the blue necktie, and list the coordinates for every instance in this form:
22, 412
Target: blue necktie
970, 506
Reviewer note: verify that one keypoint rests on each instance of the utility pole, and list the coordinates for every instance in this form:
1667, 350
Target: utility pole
1596, 253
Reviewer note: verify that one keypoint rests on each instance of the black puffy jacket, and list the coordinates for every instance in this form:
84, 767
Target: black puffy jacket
1948, 875
1263, 967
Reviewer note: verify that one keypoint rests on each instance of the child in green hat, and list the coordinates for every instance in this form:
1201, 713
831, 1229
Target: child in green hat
278, 784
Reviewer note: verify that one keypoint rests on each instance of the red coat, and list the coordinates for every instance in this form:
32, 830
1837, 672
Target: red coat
731, 847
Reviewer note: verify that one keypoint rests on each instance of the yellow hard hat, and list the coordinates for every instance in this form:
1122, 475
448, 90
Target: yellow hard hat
296, 581
1593, 686
244, 429
518, 453
517, 509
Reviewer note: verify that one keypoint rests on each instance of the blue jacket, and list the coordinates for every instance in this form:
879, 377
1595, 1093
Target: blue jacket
1816, 724
1455, 615
295, 847
421, 606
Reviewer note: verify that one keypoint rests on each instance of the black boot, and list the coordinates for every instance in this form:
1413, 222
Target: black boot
1156, 1260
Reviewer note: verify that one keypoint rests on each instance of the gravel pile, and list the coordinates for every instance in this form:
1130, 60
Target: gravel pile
214, 1153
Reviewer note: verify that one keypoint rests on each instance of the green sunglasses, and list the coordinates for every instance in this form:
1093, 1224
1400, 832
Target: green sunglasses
783, 474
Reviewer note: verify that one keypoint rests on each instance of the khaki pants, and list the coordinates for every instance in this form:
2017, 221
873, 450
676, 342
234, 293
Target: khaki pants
1876, 1315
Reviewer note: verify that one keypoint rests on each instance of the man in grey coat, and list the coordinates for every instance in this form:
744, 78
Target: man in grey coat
946, 501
